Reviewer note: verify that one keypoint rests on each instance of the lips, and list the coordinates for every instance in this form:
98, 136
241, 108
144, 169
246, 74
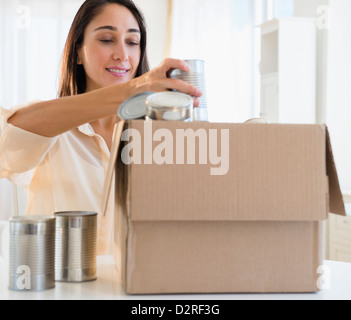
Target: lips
118, 72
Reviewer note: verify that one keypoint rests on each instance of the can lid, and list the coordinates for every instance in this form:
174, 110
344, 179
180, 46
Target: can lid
31, 219
75, 214
134, 107
169, 100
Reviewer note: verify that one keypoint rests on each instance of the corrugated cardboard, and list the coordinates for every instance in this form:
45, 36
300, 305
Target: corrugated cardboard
257, 228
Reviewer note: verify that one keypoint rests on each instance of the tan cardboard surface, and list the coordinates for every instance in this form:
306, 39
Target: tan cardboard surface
192, 257
276, 172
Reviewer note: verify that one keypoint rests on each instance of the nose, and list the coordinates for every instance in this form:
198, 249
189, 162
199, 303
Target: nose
120, 52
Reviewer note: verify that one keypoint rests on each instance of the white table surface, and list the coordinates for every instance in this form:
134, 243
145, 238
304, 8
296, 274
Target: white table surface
108, 287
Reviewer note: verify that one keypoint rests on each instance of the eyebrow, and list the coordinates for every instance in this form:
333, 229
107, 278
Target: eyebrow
112, 28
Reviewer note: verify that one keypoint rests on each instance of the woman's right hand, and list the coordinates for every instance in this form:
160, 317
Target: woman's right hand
157, 80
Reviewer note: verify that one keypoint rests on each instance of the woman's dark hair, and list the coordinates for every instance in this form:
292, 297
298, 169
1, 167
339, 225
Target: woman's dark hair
73, 79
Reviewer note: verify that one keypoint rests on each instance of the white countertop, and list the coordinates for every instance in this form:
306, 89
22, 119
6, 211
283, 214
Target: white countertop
108, 287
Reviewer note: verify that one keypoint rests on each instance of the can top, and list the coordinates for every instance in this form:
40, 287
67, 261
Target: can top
169, 100
72, 214
31, 219
76, 219
134, 107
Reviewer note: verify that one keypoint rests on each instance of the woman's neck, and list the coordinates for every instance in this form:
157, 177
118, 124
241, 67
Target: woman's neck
104, 127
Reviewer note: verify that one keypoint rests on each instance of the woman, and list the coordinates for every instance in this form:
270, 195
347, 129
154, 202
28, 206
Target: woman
58, 150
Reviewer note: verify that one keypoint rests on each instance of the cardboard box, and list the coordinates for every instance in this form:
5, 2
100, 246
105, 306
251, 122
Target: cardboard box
241, 210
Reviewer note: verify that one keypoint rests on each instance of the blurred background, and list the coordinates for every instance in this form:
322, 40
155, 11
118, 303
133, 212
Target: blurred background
285, 60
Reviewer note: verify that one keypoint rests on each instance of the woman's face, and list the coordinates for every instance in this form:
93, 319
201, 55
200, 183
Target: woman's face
110, 52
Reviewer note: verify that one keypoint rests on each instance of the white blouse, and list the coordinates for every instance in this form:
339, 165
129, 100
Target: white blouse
65, 173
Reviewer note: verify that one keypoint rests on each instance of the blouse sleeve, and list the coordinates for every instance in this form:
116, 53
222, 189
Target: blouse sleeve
20, 151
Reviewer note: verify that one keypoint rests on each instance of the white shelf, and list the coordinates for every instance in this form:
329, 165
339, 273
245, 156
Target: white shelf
288, 70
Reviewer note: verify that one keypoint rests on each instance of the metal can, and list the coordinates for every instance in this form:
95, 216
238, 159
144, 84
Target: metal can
169, 106
76, 242
195, 77
32, 253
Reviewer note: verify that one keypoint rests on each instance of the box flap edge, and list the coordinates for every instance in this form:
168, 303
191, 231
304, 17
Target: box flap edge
116, 140
336, 202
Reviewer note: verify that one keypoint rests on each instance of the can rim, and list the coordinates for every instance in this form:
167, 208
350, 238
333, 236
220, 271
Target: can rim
134, 107
75, 214
152, 101
31, 219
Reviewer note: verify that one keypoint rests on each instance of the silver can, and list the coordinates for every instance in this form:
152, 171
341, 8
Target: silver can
169, 106
32, 253
196, 77
76, 242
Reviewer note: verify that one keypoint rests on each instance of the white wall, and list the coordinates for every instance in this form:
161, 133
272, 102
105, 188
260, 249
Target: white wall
334, 69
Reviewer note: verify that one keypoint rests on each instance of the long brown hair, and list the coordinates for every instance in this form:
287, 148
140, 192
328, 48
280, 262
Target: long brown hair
73, 79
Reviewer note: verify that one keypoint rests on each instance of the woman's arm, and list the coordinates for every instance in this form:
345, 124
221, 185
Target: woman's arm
51, 118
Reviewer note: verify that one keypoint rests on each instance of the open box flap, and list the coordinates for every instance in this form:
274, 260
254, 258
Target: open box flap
336, 202
116, 140
276, 172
